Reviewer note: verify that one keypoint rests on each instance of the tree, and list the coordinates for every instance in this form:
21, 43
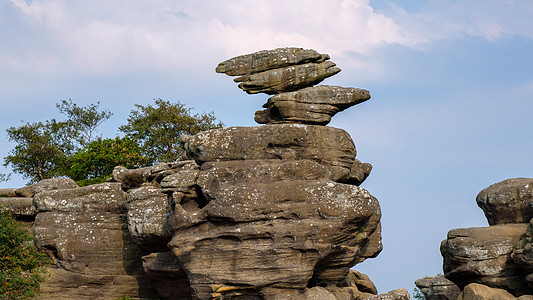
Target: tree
95, 163
157, 128
21, 264
42, 149
84, 120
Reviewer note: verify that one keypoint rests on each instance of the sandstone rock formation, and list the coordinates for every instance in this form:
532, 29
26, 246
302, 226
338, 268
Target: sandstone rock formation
290, 74
268, 212
438, 288
498, 256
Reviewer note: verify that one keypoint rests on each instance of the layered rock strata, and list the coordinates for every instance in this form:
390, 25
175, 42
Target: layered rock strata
290, 74
438, 288
498, 256
269, 212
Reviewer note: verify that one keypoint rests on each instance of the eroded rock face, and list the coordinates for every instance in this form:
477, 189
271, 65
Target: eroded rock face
268, 59
476, 291
94, 254
509, 201
46, 185
482, 255
438, 288
328, 146
312, 105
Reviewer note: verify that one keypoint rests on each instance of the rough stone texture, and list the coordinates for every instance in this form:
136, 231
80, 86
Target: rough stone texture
476, 291
147, 207
46, 185
509, 201
399, 294
94, 254
268, 59
312, 105
287, 79
19, 207
168, 277
482, 255
106, 197
438, 288
326, 145
362, 282
7, 192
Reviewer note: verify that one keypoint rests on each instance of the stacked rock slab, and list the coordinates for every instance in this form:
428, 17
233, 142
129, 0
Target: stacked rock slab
498, 256
275, 212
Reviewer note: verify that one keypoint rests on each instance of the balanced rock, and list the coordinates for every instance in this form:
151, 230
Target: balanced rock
483, 255
268, 59
312, 105
438, 288
287, 79
508, 201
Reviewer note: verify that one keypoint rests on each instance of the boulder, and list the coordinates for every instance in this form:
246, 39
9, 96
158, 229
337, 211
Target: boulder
482, 255
438, 288
312, 105
476, 291
46, 185
508, 201
147, 208
8, 192
328, 146
399, 294
19, 207
523, 251
287, 79
268, 59
106, 197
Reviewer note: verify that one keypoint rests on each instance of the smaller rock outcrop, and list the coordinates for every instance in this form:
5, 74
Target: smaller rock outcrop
499, 256
509, 201
438, 288
476, 291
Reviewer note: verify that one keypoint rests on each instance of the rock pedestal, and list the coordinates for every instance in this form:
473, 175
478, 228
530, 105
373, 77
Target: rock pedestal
495, 259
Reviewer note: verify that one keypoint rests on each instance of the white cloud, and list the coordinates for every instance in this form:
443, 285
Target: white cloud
106, 36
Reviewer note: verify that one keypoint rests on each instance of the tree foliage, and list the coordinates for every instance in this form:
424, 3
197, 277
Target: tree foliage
70, 148
157, 128
83, 120
42, 149
95, 163
21, 264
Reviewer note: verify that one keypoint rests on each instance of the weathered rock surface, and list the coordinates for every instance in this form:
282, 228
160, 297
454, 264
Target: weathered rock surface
168, 277
509, 201
438, 288
147, 208
328, 146
476, 291
523, 254
287, 79
7, 192
268, 59
482, 255
94, 254
399, 294
18, 206
312, 105
46, 185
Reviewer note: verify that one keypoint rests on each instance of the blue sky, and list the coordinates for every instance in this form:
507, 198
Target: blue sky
451, 84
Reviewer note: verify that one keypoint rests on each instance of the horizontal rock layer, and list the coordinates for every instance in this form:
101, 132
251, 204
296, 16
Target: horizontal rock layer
482, 255
268, 59
312, 105
287, 79
327, 146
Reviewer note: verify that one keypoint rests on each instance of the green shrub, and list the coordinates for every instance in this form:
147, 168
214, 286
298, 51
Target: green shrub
21, 264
